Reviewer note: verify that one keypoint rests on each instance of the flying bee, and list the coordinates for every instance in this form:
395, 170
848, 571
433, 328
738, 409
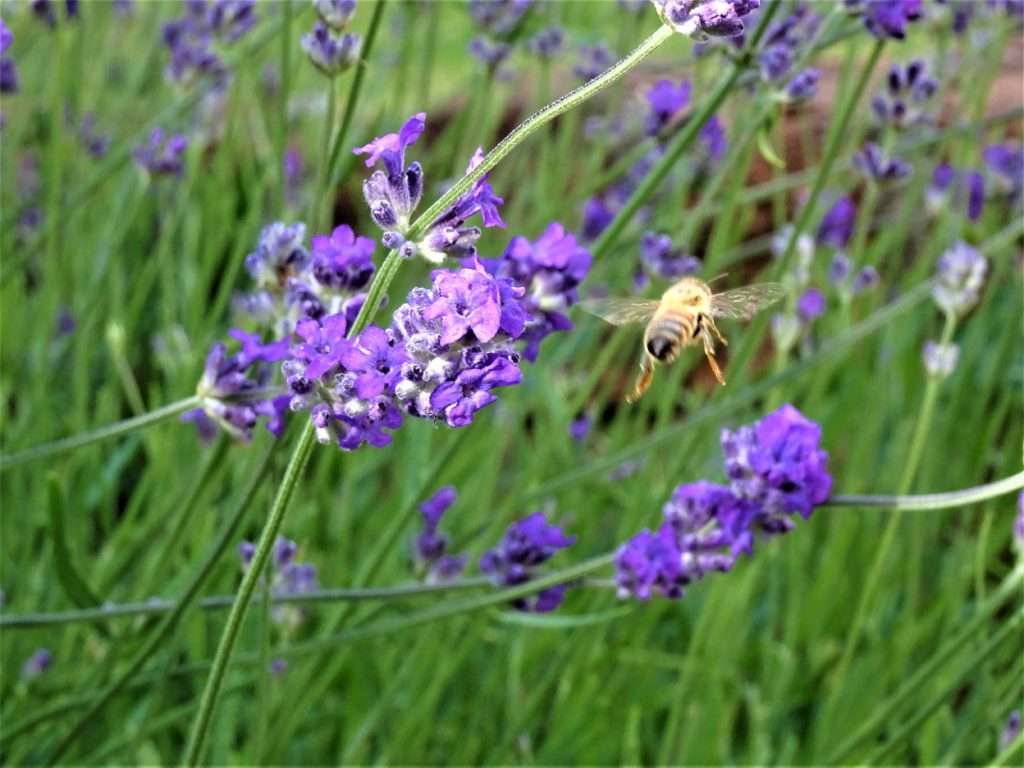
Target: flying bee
684, 315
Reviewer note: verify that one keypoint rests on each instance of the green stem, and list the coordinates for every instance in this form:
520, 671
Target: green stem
323, 202
167, 625
220, 602
334, 171
204, 716
66, 444
934, 500
843, 122
530, 125
874, 577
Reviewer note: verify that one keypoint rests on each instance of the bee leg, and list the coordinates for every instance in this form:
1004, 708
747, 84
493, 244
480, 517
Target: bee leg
718, 333
709, 353
643, 381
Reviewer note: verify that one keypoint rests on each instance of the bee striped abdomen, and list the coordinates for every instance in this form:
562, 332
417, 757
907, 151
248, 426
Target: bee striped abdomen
667, 333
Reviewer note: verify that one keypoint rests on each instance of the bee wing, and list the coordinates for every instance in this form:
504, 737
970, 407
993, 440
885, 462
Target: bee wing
744, 303
621, 311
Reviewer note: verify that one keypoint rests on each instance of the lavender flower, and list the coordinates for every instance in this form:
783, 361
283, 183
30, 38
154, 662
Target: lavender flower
660, 258
1011, 731
490, 52
866, 279
8, 75
803, 86
811, 305
497, 20
278, 667
548, 43
950, 186
714, 139
190, 38
940, 359
230, 390
431, 547
836, 227
875, 165
336, 14
593, 60
393, 193
550, 269
887, 18
701, 19
839, 269
596, 217
45, 11
528, 543
959, 278
778, 465
1006, 164
666, 101
706, 527
36, 664
580, 428
6, 37
909, 90
294, 175
331, 52
162, 154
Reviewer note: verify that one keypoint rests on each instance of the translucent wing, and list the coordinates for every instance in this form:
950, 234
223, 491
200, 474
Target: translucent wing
621, 311
744, 303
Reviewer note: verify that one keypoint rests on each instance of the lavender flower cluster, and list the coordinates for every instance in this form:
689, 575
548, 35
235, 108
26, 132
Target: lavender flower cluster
783, 43
777, 471
498, 23
191, 39
328, 46
701, 19
448, 349
8, 69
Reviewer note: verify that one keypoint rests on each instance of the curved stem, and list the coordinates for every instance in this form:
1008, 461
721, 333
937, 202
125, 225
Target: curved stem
103, 433
201, 724
934, 500
523, 131
170, 621
219, 602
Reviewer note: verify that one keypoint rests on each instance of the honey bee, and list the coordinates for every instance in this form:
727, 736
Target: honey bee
685, 314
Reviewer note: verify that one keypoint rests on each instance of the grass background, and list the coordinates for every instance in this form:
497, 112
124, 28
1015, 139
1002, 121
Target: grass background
748, 668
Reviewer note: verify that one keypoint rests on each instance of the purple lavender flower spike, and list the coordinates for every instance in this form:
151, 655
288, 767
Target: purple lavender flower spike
548, 43
593, 60
596, 218
660, 258
666, 100
940, 359
836, 227
336, 14
162, 155
649, 563
8, 75
778, 465
528, 543
498, 17
36, 664
431, 547
580, 428
1006, 163
803, 86
887, 18
449, 236
701, 19
331, 52
908, 93
875, 165
960, 276
246, 552
343, 261
975, 195
6, 38
839, 269
1011, 731
866, 279
550, 269
714, 139
810, 305
393, 193
283, 552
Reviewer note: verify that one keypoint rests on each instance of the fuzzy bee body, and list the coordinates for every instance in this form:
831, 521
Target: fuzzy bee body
684, 315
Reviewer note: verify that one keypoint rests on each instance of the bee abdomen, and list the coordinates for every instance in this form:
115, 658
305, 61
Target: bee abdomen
666, 335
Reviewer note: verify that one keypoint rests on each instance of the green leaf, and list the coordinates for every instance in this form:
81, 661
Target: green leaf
764, 146
74, 585
555, 621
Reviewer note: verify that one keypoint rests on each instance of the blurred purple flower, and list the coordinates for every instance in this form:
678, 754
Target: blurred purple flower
810, 305
866, 279
909, 90
836, 227
596, 217
660, 258
36, 664
1006, 163
336, 14
331, 52
887, 18
431, 547
8, 75
528, 543
777, 464
6, 37
162, 154
803, 86
580, 428
547, 43
1011, 731
872, 161
666, 100
593, 60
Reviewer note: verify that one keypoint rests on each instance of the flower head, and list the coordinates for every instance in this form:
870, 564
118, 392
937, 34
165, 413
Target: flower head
528, 543
810, 305
1006, 164
330, 51
547, 43
960, 276
875, 165
909, 90
431, 547
36, 664
336, 14
580, 428
162, 155
701, 19
836, 227
666, 100
778, 464
940, 359
288, 577
6, 38
660, 258
887, 18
